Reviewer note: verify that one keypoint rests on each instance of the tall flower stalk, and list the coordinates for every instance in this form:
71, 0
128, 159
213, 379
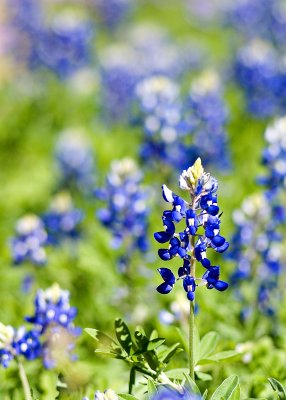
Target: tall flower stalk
202, 231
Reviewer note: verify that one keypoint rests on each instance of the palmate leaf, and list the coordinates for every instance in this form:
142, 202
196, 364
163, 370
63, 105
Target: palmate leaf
109, 346
208, 344
278, 388
165, 355
123, 335
228, 390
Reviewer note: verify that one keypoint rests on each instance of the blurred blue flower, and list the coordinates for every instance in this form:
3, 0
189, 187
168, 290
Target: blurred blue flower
112, 12
63, 46
28, 244
54, 320
201, 211
258, 71
205, 115
146, 51
75, 160
62, 220
126, 212
258, 249
263, 18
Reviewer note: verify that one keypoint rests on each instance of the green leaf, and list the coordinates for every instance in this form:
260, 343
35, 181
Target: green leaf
123, 335
204, 396
165, 355
184, 339
223, 355
127, 396
92, 332
203, 376
177, 373
153, 344
152, 390
192, 385
208, 344
228, 390
100, 337
278, 388
154, 335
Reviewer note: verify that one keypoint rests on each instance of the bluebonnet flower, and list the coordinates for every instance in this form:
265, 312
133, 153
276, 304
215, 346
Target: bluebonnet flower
14, 343
54, 320
112, 12
161, 113
190, 245
166, 393
62, 46
126, 212
119, 72
258, 240
29, 242
263, 18
149, 52
62, 220
205, 114
259, 72
75, 160
274, 158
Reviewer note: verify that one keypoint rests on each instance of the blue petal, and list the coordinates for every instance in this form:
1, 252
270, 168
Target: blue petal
218, 240
213, 210
164, 254
221, 285
164, 288
190, 295
162, 237
167, 275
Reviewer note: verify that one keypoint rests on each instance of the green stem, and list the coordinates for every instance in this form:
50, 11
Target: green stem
192, 317
24, 381
191, 341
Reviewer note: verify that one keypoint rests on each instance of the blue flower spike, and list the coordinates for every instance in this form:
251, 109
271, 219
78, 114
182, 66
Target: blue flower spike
200, 211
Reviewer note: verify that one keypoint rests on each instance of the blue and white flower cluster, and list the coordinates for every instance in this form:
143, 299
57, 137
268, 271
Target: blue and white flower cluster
205, 115
29, 241
18, 342
261, 73
161, 114
149, 52
62, 220
201, 213
258, 247
53, 333
74, 160
263, 18
126, 212
112, 12
177, 129
62, 46
54, 320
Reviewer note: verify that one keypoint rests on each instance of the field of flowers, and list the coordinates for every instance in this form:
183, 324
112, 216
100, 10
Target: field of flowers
143, 199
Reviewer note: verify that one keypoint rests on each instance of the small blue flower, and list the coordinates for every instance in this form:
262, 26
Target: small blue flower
29, 242
62, 221
75, 160
126, 211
